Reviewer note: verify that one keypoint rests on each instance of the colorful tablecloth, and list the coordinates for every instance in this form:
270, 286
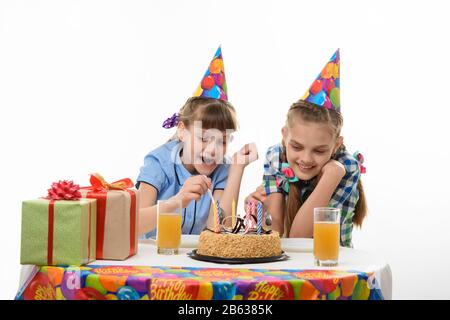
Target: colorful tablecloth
190, 283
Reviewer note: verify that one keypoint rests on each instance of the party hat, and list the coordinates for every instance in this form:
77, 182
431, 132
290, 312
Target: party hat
213, 84
325, 90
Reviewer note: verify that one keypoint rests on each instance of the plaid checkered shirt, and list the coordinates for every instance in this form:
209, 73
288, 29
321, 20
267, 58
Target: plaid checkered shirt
344, 197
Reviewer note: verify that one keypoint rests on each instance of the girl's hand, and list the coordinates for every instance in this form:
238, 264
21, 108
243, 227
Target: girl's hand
193, 189
246, 155
259, 195
333, 168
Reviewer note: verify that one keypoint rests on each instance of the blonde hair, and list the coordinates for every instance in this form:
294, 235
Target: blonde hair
309, 112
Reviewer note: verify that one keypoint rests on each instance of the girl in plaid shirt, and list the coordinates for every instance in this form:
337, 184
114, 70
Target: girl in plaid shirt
311, 167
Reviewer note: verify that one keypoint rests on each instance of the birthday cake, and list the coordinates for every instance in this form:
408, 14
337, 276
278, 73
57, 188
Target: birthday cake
231, 245
245, 239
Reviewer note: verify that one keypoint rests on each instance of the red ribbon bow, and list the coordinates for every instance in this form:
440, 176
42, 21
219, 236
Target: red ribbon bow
64, 190
99, 183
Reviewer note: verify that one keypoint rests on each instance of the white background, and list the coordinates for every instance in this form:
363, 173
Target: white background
85, 86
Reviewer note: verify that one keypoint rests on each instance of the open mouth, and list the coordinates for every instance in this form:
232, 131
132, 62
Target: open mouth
208, 161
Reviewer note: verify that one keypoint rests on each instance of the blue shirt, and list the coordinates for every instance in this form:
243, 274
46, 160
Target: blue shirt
164, 171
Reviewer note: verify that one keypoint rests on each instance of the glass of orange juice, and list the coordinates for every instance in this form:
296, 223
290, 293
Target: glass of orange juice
168, 232
326, 236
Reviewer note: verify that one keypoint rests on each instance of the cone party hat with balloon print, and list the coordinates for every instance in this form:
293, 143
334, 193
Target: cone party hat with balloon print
213, 84
325, 90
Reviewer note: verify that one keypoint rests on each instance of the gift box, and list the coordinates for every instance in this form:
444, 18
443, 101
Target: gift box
117, 217
58, 232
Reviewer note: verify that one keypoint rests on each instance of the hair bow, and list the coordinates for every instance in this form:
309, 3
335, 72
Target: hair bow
287, 176
171, 122
360, 158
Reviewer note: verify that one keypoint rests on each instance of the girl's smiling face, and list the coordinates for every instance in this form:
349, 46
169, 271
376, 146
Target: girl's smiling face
204, 149
309, 146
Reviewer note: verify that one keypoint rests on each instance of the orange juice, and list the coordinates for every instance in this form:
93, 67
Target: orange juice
169, 231
326, 240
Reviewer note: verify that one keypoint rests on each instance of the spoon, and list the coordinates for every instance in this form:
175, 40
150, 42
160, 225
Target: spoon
268, 219
219, 209
211, 196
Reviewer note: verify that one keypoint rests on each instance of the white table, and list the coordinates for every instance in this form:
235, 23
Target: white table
298, 250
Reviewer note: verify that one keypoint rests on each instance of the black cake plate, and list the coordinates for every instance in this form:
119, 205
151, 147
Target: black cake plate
194, 255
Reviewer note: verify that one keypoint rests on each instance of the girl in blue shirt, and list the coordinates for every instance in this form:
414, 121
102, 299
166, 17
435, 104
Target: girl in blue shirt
193, 161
